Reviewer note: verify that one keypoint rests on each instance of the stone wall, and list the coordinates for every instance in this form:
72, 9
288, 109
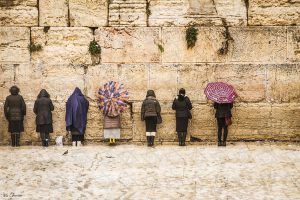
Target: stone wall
143, 45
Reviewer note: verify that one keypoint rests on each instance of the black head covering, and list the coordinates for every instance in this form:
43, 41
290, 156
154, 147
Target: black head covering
43, 93
14, 90
181, 94
150, 93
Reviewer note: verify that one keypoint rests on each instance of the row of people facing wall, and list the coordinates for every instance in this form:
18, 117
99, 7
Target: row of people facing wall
76, 116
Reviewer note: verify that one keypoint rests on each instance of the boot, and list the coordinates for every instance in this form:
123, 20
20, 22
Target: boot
179, 138
152, 141
13, 141
148, 141
17, 139
183, 138
79, 143
46, 143
74, 143
43, 143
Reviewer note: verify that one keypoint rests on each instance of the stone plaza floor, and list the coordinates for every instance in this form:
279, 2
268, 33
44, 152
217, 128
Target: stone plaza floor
239, 171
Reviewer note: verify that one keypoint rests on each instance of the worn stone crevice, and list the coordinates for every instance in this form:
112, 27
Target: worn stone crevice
107, 19
38, 8
225, 44
247, 11
148, 12
69, 18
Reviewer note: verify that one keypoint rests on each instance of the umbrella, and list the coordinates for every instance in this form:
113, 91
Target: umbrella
112, 98
220, 92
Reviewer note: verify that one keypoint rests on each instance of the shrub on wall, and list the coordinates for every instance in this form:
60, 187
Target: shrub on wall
94, 48
191, 37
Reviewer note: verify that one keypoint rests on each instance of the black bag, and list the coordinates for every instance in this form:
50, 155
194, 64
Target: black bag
159, 119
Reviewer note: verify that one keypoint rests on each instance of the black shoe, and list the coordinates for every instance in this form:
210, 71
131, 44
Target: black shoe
224, 144
43, 143
46, 143
220, 144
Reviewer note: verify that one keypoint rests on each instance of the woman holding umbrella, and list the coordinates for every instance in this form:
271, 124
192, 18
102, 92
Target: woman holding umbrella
223, 96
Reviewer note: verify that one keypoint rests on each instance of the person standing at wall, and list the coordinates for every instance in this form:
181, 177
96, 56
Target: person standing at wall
150, 112
42, 108
223, 115
182, 105
76, 116
15, 110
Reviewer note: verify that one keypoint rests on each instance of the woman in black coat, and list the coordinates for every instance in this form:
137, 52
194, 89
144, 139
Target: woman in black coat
223, 113
182, 105
42, 108
15, 110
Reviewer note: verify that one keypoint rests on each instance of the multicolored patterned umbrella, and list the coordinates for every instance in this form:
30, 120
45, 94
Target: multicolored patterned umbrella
220, 92
112, 98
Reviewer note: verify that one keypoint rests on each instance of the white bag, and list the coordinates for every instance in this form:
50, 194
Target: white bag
59, 141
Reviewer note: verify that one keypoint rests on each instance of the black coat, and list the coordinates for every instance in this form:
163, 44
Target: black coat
14, 108
182, 105
150, 106
42, 108
223, 110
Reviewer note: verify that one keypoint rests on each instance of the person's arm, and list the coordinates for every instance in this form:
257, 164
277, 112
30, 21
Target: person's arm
35, 107
23, 106
174, 105
51, 105
189, 103
143, 111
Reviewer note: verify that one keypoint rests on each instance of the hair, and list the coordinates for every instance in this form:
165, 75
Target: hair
182, 91
14, 90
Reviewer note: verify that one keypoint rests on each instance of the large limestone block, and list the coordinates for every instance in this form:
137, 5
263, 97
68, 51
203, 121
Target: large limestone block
58, 117
128, 45
14, 43
293, 44
4, 135
135, 79
29, 135
91, 13
258, 44
249, 81
60, 81
6, 80
139, 128
163, 80
18, 13
62, 45
274, 12
127, 13
283, 83
94, 129
285, 116
53, 13
97, 76
204, 12
209, 41
193, 78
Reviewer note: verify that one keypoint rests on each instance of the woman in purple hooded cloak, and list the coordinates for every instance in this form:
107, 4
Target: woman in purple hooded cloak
76, 116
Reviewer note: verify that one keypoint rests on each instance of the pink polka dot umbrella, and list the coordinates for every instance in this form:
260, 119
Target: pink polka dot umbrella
220, 92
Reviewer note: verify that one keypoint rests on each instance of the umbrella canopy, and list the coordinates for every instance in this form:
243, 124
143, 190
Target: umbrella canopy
220, 92
112, 98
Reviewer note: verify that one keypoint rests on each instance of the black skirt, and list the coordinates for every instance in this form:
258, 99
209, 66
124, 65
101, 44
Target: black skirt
44, 128
181, 124
151, 124
15, 126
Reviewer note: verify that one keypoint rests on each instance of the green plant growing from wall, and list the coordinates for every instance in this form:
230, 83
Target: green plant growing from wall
94, 48
191, 37
46, 29
34, 47
161, 48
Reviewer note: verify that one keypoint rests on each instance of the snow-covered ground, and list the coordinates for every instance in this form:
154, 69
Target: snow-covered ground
239, 171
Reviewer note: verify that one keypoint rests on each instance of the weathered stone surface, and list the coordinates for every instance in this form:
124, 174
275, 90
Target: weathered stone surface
14, 43
128, 45
127, 13
91, 13
163, 80
6, 79
274, 12
53, 13
249, 81
293, 44
193, 78
62, 45
135, 79
209, 41
283, 83
258, 44
18, 13
206, 12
